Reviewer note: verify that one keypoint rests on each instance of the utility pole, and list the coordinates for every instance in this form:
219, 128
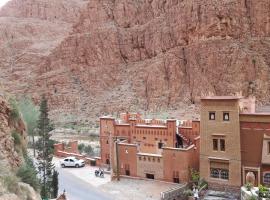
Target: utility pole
117, 161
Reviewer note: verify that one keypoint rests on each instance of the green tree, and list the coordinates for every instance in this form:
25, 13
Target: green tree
45, 164
14, 112
30, 115
88, 150
27, 173
55, 184
81, 147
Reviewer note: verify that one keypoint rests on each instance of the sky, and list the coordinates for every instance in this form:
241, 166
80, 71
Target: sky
3, 2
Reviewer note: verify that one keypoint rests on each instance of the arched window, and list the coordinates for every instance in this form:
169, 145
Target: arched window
266, 178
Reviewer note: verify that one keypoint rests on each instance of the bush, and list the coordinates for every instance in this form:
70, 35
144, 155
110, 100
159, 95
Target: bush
89, 150
248, 186
11, 183
188, 193
17, 138
263, 191
81, 147
28, 174
14, 113
195, 176
252, 198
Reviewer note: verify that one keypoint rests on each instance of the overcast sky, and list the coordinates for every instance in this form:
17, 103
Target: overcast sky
3, 2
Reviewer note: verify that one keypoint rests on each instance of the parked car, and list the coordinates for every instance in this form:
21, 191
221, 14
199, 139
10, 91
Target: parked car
72, 162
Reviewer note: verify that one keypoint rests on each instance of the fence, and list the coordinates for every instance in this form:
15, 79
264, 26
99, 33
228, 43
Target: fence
174, 193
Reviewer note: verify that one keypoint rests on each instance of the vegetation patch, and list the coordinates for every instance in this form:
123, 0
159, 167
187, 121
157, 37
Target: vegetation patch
28, 174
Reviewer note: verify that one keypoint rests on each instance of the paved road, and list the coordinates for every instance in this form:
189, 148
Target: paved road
78, 189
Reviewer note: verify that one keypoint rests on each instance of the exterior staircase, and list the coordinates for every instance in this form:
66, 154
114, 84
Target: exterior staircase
186, 140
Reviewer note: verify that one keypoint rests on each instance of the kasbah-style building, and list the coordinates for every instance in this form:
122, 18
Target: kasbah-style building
230, 140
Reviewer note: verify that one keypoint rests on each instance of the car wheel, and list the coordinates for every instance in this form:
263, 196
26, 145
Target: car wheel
76, 165
62, 165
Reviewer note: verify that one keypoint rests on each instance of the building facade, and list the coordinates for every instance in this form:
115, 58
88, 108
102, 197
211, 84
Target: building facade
234, 141
149, 148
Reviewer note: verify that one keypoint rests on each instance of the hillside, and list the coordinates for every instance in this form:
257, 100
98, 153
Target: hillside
11, 148
111, 56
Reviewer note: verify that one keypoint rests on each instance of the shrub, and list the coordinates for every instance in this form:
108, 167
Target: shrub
81, 147
188, 193
252, 198
195, 176
88, 150
11, 183
28, 174
14, 113
202, 184
248, 186
263, 191
17, 138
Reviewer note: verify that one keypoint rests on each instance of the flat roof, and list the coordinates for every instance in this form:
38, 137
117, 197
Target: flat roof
151, 126
259, 114
122, 124
221, 98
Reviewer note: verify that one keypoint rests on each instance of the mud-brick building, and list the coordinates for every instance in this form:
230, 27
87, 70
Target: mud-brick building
235, 141
150, 148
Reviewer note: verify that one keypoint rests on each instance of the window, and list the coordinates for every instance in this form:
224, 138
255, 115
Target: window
107, 141
266, 178
212, 115
268, 147
222, 145
144, 138
160, 145
219, 173
215, 144
140, 158
224, 174
226, 116
149, 159
158, 159
214, 173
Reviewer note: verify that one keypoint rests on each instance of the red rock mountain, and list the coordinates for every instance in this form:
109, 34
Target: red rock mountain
92, 57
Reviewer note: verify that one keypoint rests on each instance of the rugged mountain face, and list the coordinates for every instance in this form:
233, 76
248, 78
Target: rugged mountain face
10, 158
149, 55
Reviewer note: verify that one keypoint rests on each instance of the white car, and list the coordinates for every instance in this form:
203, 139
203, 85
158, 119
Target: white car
72, 162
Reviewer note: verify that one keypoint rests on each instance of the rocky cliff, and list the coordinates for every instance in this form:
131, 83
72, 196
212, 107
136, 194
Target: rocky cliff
10, 155
140, 55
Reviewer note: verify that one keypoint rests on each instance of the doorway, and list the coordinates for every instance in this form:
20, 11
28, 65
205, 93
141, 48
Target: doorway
127, 173
150, 176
